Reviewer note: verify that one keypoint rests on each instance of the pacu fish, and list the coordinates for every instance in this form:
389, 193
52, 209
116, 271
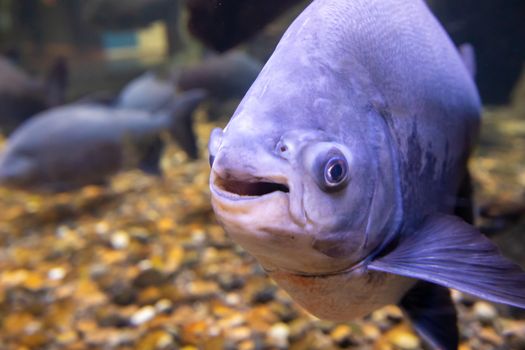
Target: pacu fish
223, 76
341, 168
69, 147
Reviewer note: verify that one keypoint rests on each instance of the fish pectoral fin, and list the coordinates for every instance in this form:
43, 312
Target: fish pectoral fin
433, 315
451, 253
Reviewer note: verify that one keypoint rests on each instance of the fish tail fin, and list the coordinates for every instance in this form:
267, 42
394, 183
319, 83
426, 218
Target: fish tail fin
180, 121
56, 82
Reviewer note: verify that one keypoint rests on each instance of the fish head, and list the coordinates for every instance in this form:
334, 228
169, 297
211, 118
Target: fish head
304, 175
301, 194
17, 170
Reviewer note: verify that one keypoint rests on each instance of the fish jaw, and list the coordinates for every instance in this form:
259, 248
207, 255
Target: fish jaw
264, 225
269, 197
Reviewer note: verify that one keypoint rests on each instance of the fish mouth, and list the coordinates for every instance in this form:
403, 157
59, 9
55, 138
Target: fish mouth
245, 187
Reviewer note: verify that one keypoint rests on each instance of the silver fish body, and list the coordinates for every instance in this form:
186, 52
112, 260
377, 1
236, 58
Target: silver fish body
356, 132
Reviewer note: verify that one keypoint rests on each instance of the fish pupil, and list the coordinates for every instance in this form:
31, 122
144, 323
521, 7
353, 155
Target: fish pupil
336, 172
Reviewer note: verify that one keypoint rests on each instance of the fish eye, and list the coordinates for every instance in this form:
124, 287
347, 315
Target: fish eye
331, 170
335, 172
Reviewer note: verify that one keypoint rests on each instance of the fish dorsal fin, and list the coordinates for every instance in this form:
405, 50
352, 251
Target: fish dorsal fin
468, 55
449, 252
432, 312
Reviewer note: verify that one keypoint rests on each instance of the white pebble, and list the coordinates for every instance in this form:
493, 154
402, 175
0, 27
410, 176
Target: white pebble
232, 299
120, 240
62, 231
145, 265
485, 311
56, 273
278, 335
143, 315
198, 236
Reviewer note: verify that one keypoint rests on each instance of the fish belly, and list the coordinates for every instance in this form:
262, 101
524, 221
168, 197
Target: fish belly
346, 296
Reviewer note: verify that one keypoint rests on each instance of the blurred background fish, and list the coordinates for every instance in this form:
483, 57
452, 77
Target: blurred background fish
22, 96
226, 77
69, 147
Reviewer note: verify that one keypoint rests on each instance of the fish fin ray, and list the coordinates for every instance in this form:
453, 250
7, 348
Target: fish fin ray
451, 253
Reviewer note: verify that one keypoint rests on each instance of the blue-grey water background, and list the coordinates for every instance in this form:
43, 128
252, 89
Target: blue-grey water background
139, 262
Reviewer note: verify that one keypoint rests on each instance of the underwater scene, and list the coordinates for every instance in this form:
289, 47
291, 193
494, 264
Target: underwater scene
256, 175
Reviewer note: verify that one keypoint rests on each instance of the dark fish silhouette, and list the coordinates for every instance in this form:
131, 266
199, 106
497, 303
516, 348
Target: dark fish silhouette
224, 76
341, 168
68, 147
21, 96
223, 24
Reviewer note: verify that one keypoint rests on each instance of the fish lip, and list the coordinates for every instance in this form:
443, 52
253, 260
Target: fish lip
261, 187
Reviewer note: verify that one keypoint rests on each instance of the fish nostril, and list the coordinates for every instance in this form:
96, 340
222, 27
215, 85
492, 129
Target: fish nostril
282, 149
211, 159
